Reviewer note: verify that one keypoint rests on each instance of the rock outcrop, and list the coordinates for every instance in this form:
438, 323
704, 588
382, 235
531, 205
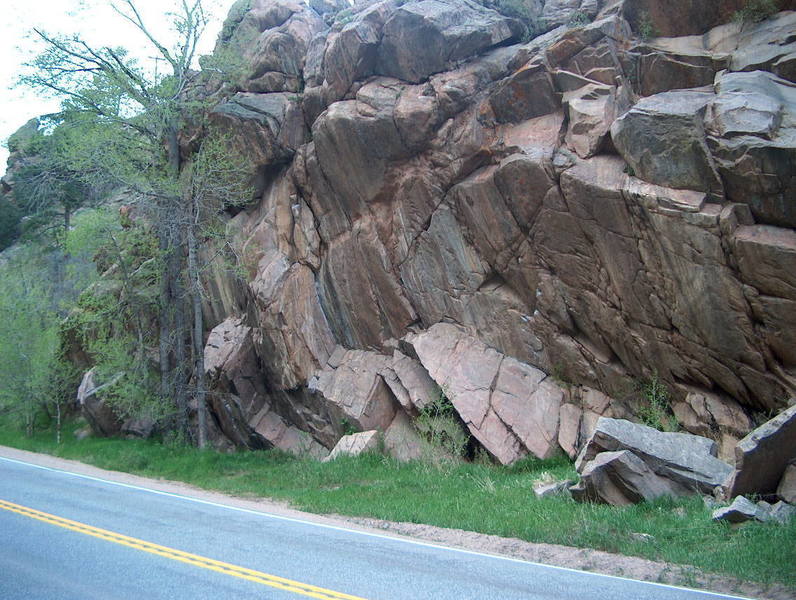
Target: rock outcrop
525, 226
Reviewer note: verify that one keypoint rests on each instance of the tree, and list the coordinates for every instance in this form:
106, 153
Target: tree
129, 121
47, 189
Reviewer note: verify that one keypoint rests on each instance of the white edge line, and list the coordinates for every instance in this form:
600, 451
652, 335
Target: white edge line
367, 533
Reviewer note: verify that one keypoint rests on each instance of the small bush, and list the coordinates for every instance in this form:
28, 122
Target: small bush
440, 427
756, 11
579, 19
654, 409
646, 29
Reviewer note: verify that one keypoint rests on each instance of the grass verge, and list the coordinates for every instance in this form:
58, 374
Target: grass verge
476, 497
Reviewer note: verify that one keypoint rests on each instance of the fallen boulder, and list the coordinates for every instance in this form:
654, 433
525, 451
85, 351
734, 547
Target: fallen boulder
687, 460
762, 456
743, 509
543, 489
622, 478
739, 511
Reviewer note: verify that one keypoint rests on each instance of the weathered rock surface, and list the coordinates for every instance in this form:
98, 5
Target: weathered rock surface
621, 478
688, 461
439, 205
762, 456
510, 407
742, 510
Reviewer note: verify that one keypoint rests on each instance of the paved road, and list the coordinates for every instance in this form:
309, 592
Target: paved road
68, 536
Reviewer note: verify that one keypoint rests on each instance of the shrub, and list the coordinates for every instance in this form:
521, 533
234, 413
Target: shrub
578, 19
439, 425
654, 409
756, 11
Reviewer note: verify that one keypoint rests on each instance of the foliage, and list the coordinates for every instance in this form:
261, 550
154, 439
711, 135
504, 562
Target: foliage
10, 216
654, 409
344, 17
35, 378
440, 427
579, 19
111, 318
128, 122
646, 28
756, 11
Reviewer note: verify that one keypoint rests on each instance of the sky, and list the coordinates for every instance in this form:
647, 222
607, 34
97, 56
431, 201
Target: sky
95, 21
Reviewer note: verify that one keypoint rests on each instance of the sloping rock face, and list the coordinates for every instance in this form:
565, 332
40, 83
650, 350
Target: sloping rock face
443, 206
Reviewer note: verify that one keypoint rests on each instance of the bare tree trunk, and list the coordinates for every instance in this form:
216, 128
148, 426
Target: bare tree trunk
181, 358
195, 287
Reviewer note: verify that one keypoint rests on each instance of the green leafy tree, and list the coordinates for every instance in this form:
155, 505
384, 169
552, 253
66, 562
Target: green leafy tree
130, 119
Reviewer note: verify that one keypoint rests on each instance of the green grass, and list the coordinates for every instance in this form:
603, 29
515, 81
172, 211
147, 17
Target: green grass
477, 497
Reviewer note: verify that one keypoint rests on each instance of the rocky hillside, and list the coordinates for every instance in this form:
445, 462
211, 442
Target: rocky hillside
527, 213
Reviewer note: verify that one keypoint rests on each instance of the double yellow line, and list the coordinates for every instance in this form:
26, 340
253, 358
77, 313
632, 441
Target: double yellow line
274, 581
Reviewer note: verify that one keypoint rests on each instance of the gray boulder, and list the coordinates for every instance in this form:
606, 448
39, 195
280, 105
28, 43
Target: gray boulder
548, 490
622, 478
762, 456
781, 513
743, 509
687, 460
739, 511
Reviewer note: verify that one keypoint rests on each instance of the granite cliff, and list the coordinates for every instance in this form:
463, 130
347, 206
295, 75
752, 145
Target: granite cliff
529, 214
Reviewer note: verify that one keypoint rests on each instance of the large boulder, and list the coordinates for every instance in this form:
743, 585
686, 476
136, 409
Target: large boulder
687, 460
352, 383
751, 128
762, 456
621, 478
266, 129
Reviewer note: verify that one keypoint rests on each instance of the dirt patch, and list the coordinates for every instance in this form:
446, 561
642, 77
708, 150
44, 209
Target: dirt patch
581, 559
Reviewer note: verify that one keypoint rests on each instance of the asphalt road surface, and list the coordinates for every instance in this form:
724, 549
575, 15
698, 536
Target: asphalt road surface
65, 536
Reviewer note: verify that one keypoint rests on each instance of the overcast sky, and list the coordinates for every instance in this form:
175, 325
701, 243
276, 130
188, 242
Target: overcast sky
92, 19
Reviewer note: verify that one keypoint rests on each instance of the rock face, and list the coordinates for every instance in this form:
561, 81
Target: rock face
528, 226
762, 457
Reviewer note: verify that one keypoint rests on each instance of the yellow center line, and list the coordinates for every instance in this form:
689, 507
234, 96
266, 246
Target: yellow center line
274, 581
